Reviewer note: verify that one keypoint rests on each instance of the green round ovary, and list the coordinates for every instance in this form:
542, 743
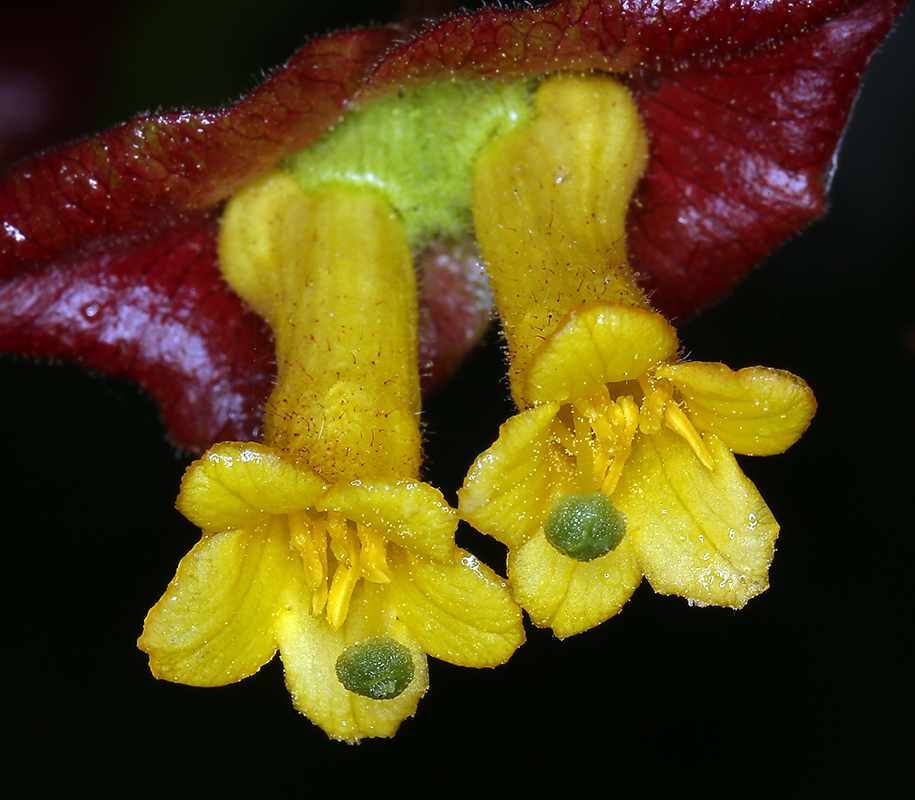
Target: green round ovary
585, 526
379, 668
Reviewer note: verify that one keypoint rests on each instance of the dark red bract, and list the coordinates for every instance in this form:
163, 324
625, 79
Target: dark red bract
107, 245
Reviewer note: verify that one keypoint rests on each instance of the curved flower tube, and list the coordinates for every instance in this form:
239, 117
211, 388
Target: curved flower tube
321, 541
620, 463
107, 244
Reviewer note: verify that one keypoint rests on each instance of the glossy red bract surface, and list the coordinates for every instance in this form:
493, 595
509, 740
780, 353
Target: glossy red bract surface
745, 104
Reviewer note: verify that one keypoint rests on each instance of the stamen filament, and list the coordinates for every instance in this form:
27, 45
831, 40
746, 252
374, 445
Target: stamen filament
310, 539
678, 422
372, 554
657, 396
346, 576
625, 423
584, 452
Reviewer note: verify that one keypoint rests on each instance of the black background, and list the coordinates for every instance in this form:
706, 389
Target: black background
804, 690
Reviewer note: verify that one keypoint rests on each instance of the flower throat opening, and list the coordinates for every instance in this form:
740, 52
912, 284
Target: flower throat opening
358, 550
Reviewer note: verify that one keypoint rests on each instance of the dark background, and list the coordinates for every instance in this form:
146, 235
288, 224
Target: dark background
804, 691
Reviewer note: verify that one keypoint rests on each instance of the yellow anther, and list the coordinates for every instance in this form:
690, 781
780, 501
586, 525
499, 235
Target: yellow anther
628, 413
310, 539
372, 557
314, 554
346, 576
679, 423
597, 437
601, 424
625, 421
584, 452
342, 541
657, 396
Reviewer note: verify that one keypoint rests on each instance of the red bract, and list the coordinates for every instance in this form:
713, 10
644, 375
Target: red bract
107, 250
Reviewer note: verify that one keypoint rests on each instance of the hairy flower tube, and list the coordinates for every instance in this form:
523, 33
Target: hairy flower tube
620, 463
321, 541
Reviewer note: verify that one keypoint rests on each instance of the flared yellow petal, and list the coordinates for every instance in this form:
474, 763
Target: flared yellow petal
756, 411
596, 344
310, 648
571, 596
240, 484
410, 513
215, 623
706, 535
460, 612
511, 487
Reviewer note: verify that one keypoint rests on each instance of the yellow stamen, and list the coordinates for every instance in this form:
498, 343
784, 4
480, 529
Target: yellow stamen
373, 554
584, 452
345, 547
657, 395
346, 576
679, 423
359, 550
599, 437
310, 539
608, 437
597, 408
625, 422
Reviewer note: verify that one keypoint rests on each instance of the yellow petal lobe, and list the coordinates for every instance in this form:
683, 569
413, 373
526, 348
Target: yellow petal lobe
706, 535
215, 623
596, 344
460, 612
310, 649
238, 484
571, 596
511, 487
756, 411
412, 514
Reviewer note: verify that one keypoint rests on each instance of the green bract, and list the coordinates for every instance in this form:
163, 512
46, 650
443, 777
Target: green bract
379, 668
585, 526
418, 148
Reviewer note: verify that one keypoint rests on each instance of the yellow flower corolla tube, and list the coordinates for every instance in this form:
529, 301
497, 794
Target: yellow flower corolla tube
321, 541
620, 463
549, 206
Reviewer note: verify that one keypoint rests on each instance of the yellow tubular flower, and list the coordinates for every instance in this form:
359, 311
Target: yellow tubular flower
621, 462
321, 541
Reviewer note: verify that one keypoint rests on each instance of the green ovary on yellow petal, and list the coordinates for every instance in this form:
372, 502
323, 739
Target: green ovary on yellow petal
706, 535
310, 650
694, 524
571, 596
